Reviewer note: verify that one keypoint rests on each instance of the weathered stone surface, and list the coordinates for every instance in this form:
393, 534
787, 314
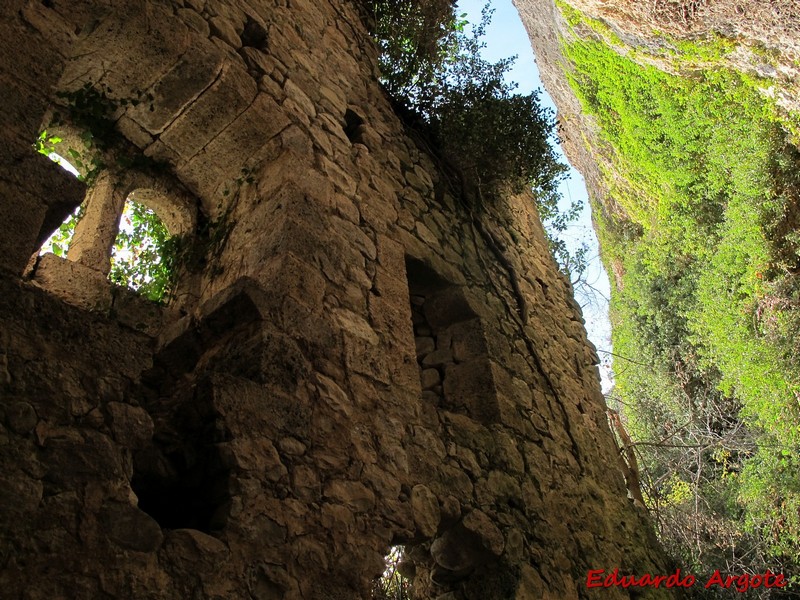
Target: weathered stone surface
131, 528
426, 510
352, 494
196, 71
20, 417
490, 535
74, 283
229, 95
130, 425
454, 552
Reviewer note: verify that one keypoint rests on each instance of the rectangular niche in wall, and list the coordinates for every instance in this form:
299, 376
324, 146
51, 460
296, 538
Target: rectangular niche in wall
452, 352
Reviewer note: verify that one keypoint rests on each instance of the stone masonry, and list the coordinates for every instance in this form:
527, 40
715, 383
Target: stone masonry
357, 363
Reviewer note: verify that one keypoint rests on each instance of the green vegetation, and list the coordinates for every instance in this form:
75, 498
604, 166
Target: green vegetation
497, 140
707, 306
59, 240
91, 111
142, 257
392, 585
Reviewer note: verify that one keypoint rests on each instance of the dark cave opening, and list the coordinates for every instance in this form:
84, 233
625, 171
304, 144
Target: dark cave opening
181, 480
352, 126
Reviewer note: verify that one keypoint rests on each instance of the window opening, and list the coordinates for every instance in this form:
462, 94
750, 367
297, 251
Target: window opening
63, 163
395, 582
353, 126
185, 487
138, 257
46, 144
452, 352
58, 242
182, 479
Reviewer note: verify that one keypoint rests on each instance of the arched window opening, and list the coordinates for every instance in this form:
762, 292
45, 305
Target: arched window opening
66, 141
63, 163
59, 240
139, 257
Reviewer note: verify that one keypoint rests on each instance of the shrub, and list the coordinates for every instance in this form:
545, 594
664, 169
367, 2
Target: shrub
412, 39
498, 141
434, 69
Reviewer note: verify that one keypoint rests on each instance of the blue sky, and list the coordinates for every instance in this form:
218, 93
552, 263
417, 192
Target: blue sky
505, 37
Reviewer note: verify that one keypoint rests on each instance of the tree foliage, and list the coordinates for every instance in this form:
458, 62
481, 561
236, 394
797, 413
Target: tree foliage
498, 140
140, 257
707, 309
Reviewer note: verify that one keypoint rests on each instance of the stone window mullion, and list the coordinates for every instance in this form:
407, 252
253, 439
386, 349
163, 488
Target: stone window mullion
97, 229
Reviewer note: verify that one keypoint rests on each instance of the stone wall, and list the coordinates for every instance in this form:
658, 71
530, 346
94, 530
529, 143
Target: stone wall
357, 363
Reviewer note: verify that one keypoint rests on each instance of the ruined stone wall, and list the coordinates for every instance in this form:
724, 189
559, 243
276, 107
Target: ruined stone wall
357, 363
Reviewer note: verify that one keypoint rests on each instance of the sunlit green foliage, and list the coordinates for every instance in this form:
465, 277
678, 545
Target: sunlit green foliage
708, 305
138, 257
497, 138
59, 240
414, 39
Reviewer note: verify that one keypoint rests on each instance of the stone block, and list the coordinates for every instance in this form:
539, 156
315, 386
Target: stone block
352, 494
211, 112
456, 551
194, 73
264, 356
74, 283
36, 64
131, 426
22, 216
295, 278
448, 306
430, 378
20, 417
225, 30
365, 358
425, 506
33, 183
356, 236
137, 312
194, 20
245, 136
136, 46
424, 345
480, 524
130, 528
470, 388
438, 358
468, 340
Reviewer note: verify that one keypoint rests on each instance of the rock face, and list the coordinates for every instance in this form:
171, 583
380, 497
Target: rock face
764, 35
348, 368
